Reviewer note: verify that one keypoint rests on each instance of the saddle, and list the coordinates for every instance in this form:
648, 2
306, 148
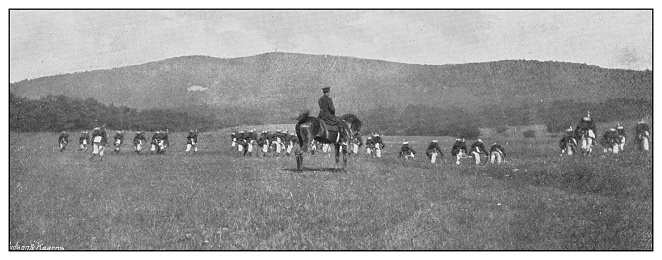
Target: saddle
328, 133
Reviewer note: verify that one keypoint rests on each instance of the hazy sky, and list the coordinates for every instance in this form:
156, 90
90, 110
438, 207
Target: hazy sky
45, 43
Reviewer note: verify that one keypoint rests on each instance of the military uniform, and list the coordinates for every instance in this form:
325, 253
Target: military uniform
459, 149
406, 151
369, 146
192, 141
84, 141
263, 141
568, 138
119, 139
433, 151
585, 125
156, 138
610, 141
476, 149
233, 136
356, 142
621, 134
240, 141
139, 140
497, 152
63, 140
99, 141
250, 138
379, 145
328, 114
642, 130
289, 142
277, 141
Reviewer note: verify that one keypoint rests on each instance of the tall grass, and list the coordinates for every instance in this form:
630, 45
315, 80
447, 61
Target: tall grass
218, 200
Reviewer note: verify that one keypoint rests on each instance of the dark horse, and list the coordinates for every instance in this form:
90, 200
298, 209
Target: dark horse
310, 128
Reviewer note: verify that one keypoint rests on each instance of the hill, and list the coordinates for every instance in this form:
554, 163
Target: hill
285, 83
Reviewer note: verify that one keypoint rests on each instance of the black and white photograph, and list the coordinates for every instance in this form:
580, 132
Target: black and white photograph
330, 129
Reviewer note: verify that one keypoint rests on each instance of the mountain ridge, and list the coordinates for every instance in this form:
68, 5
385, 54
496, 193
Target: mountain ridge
283, 83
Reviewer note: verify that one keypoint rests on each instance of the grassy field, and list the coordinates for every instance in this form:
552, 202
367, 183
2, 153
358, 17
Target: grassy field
218, 200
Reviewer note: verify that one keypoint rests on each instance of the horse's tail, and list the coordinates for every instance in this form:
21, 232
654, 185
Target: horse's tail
301, 118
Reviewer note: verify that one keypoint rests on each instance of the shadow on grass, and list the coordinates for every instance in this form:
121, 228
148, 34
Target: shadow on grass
307, 169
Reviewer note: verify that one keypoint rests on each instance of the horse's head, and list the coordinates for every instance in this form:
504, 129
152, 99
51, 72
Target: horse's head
353, 123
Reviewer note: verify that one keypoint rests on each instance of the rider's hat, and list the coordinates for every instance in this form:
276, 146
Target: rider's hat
326, 89
612, 129
435, 141
405, 142
480, 141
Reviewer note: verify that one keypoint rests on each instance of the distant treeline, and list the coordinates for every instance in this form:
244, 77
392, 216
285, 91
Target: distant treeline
458, 122
58, 113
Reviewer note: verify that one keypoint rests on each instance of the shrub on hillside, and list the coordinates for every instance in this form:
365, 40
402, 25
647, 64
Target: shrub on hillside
466, 132
529, 133
500, 129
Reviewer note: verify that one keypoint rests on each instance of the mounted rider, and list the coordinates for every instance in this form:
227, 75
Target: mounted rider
328, 115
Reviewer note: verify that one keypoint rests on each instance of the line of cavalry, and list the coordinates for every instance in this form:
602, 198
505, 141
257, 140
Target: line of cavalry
344, 134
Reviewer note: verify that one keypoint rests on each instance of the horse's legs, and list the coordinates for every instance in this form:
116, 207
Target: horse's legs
337, 153
344, 158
